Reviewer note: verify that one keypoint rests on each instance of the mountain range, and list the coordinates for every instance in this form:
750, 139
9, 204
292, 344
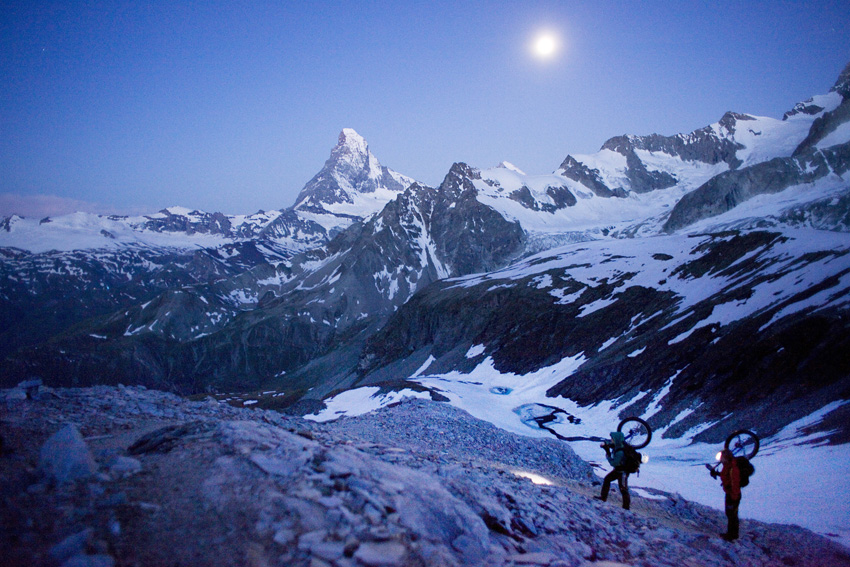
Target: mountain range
700, 275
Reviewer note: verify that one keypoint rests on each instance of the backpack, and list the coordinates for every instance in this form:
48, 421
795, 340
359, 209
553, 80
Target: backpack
631, 459
745, 470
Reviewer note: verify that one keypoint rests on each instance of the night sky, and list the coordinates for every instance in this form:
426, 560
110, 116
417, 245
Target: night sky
233, 106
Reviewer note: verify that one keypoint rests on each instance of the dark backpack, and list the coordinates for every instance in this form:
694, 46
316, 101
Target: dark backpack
745, 470
631, 459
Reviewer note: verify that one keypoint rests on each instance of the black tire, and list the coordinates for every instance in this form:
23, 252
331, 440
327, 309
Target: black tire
743, 443
638, 433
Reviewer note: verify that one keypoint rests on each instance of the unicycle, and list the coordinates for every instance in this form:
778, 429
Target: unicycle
743, 443
636, 431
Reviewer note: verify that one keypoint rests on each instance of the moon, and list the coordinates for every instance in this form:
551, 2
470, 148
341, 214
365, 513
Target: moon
545, 45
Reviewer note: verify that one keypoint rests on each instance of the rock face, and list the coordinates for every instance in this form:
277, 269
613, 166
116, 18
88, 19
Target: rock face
191, 223
641, 164
728, 190
418, 484
823, 152
711, 145
830, 121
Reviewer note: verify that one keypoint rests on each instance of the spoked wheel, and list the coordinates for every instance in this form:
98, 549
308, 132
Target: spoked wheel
743, 443
637, 432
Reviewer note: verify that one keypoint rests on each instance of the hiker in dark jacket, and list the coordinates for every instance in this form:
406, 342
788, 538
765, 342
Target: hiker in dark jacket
730, 478
616, 456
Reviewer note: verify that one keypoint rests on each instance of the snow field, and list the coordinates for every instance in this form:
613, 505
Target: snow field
797, 480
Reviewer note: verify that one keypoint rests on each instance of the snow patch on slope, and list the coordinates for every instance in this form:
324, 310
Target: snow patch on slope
360, 401
675, 465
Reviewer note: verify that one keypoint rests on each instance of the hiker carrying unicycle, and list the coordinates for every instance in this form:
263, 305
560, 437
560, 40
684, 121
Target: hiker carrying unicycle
621, 452
735, 472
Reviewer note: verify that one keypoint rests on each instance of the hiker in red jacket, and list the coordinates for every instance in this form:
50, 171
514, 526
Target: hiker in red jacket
730, 478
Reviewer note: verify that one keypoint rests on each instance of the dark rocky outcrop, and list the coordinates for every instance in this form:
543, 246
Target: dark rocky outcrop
196, 222
727, 190
577, 171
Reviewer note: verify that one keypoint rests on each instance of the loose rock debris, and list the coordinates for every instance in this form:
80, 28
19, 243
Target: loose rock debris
173, 482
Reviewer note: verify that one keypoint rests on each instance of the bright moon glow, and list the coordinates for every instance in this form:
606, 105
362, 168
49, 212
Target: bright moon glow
545, 45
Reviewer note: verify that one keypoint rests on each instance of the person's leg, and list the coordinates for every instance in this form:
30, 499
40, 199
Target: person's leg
623, 482
732, 517
606, 484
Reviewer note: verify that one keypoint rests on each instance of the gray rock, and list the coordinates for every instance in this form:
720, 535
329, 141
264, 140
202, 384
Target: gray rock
275, 466
125, 466
90, 561
65, 457
309, 539
728, 190
72, 545
381, 554
284, 536
328, 550
31, 388
534, 558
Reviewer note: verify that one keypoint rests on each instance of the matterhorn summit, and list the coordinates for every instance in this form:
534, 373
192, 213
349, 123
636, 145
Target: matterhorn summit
352, 186
352, 182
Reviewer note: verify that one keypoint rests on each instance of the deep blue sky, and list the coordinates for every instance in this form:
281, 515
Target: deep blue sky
234, 106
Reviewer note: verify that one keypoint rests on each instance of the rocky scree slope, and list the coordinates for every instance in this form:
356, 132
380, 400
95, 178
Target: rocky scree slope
160, 480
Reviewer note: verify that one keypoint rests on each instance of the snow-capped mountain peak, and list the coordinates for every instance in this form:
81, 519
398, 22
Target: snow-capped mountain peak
352, 142
842, 84
351, 154
352, 184
508, 165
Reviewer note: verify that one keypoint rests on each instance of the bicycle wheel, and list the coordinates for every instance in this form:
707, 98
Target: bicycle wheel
743, 443
637, 432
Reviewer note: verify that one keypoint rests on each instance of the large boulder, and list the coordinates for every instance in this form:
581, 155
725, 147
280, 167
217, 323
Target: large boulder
65, 457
